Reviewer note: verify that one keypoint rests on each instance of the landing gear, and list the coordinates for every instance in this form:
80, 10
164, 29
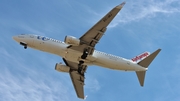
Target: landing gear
85, 53
25, 47
80, 65
23, 44
81, 62
79, 70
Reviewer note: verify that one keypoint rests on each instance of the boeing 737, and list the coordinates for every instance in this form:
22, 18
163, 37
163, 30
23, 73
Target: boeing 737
79, 53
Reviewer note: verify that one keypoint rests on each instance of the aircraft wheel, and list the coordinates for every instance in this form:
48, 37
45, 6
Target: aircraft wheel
85, 54
79, 70
25, 47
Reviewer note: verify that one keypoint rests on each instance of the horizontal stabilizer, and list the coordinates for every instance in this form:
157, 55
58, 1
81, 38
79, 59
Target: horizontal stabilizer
141, 77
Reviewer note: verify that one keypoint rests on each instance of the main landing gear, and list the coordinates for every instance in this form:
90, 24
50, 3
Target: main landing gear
85, 53
80, 65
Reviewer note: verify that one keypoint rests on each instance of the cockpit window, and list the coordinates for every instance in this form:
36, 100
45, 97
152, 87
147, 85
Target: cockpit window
31, 36
21, 35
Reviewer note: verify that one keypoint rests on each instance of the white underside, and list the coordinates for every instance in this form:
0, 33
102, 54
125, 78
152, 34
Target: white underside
97, 58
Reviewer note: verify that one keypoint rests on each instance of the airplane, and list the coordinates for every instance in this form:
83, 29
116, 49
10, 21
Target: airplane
79, 53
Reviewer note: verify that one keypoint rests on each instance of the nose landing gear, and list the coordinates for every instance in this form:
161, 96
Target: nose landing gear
25, 47
23, 44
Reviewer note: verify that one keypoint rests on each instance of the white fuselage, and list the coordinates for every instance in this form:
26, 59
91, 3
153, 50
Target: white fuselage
60, 48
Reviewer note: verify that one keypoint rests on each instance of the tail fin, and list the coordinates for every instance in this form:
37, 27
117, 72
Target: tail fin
145, 63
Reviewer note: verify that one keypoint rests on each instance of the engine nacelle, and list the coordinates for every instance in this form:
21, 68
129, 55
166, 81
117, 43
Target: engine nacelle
62, 68
72, 41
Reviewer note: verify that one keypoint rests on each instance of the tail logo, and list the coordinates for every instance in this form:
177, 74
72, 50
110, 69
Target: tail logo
140, 57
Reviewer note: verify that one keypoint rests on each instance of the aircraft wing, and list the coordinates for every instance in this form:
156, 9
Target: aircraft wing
94, 34
87, 44
77, 79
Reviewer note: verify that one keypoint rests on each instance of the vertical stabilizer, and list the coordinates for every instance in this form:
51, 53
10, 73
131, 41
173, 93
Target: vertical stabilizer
145, 63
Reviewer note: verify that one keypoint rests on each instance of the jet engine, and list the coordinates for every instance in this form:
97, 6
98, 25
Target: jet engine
72, 41
62, 68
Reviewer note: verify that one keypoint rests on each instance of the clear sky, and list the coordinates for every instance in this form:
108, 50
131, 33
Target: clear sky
142, 25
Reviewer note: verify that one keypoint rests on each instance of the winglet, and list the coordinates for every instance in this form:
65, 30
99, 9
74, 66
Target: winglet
85, 97
121, 5
145, 63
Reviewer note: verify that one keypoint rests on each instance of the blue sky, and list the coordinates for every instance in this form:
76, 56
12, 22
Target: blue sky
144, 25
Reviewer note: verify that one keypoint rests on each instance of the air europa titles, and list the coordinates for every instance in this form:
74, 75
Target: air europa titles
140, 57
42, 38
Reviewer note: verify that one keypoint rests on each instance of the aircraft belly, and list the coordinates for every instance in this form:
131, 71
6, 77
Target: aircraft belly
129, 66
75, 56
107, 63
50, 47
72, 55
118, 64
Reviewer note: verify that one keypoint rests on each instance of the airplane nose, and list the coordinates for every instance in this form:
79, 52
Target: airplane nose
16, 38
